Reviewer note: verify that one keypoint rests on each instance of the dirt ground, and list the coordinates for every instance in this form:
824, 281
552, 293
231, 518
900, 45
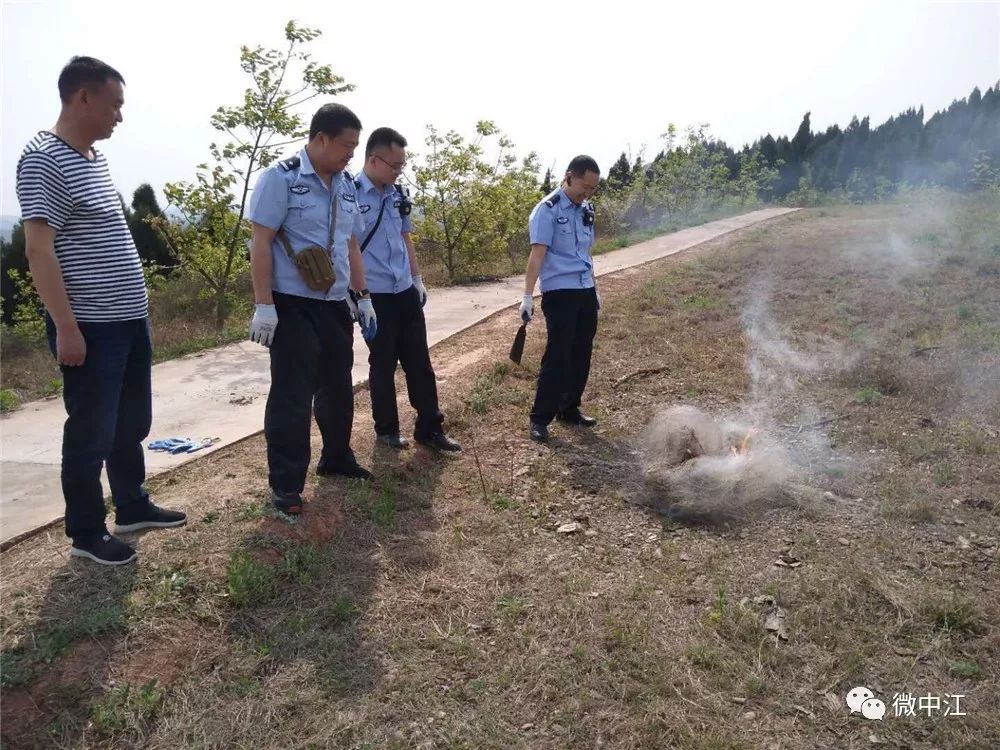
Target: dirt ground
528, 596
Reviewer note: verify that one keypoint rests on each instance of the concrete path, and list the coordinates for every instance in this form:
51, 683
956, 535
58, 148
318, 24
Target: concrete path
221, 392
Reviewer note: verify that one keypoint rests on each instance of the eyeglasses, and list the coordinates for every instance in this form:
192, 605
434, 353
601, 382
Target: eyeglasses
394, 167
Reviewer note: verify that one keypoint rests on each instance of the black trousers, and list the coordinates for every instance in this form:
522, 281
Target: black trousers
571, 324
311, 359
402, 338
109, 411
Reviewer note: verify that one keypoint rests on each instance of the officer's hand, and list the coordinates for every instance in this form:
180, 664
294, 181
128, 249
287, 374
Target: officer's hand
352, 304
263, 324
527, 308
367, 319
418, 282
598, 300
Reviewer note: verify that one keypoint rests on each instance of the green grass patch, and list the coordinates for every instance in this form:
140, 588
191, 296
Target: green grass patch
487, 388
9, 400
19, 665
249, 582
953, 614
126, 706
944, 474
869, 396
968, 670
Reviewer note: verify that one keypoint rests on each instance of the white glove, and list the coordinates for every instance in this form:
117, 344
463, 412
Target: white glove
527, 308
263, 324
598, 299
352, 306
418, 282
367, 319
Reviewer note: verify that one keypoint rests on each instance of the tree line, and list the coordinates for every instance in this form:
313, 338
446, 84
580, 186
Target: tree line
472, 196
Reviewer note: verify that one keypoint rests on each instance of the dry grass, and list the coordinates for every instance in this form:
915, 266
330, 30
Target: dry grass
440, 608
183, 323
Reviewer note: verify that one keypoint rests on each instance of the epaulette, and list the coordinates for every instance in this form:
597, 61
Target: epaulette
291, 163
552, 199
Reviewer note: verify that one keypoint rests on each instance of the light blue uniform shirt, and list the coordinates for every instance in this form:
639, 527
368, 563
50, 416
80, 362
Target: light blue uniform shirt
387, 264
291, 196
557, 222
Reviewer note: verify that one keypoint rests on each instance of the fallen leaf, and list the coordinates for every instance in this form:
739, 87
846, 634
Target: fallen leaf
833, 702
570, 528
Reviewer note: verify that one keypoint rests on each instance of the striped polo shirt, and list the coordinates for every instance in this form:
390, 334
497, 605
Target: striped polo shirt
76, 197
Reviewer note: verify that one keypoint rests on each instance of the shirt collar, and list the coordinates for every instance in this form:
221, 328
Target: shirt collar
367, 184
568, 201
305, 166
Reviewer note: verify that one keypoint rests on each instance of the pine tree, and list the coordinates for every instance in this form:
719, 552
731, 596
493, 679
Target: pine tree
148, 241
547, 185
620, 174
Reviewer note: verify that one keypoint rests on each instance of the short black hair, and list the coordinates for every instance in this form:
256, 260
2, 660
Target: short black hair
582, 164
384, 137
331, 119
80, 72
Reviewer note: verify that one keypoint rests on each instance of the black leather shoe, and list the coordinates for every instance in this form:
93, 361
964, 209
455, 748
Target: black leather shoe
287, 502
396, 441
539, 433
577, 418
349, 469
440, 442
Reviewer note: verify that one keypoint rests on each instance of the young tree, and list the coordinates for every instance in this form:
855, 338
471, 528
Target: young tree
470, 207
983, 175
14, 262
756, 179
211, 235
683, 178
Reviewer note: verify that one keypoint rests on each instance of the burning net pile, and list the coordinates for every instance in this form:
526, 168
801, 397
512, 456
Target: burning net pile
701, 470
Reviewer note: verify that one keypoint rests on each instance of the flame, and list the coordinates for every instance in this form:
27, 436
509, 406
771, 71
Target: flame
744, 445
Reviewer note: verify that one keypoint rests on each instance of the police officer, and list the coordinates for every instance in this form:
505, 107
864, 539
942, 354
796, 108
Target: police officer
398, 295
561, 230
304, 209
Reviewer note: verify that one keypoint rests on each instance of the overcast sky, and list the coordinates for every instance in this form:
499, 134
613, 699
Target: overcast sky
560, 78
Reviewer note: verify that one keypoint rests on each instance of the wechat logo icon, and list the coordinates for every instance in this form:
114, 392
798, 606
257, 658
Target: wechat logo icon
862, 700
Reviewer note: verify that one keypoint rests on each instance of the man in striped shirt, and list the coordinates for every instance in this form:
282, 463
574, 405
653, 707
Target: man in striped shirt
88, 274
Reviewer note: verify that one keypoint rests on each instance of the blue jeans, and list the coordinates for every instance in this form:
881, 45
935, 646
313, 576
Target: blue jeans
109, 408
